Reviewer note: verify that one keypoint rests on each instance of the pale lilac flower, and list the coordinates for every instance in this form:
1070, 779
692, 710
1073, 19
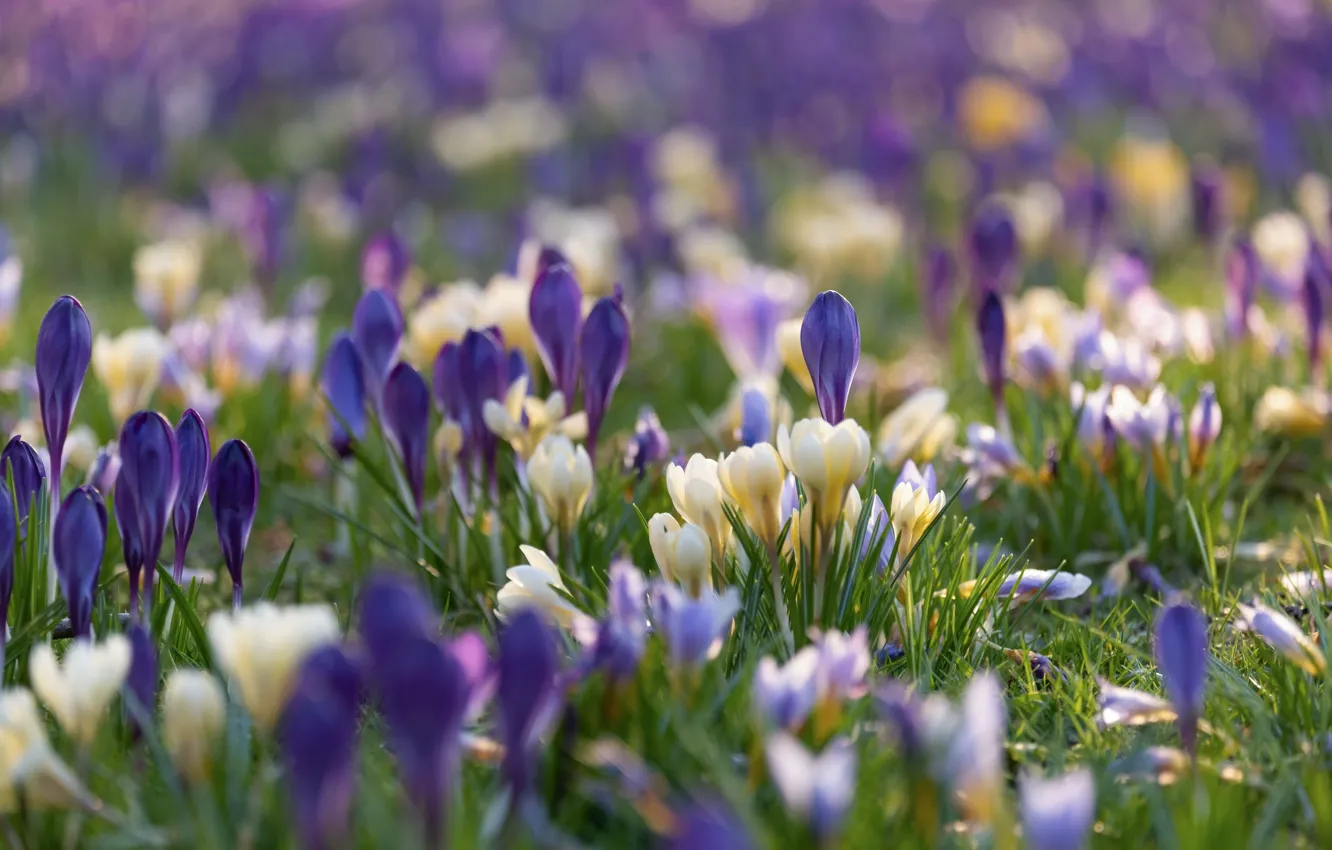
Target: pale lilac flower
1057, 814
1038, 362
843, 666
1204, 425
819, 789
1282, 634
1307, 583
784, 696
1143, 425
1118, 706
991, 448
1124, 361
976, 755
694, 629
919, 479
1181, 655
1094, 427
621, 637
1028, 584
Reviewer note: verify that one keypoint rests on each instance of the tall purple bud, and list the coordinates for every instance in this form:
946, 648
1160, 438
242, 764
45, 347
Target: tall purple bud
993, 242
603, 352
1206, 185
992, 328
830, 341
193, 451
141, 682
23, 471
937, 281
78, 539
549, 256
484, 374
556, 312
148, 481
64, 350
384, 263
527, 675
377, 330
1241, 286
343, 383
9, 535
233, 488
1181, 655
1312, 298
407, 419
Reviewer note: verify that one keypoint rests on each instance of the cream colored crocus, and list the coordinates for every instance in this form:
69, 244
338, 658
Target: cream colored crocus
129, 367
561, 474
166, 279
752, 476
261, 647
505, 305
79, 690
793, 356
445, 317
194, 713
29, 768
523, 421
912, 511
537, 585
1281, 240
448, 445
696, 491
683, 553
828, 460
1285, 412
917, 430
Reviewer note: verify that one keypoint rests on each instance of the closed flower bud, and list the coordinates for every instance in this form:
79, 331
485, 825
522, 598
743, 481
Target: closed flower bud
233, 488
406, 410
260, 648
64, 350
80, 689
556, 313
913, 510
830, 343
194, 452
194, 713
1204, 426
343, 384
698, 496
603, 354
684, 553
828, 460
376, 330
753, 478
561, 475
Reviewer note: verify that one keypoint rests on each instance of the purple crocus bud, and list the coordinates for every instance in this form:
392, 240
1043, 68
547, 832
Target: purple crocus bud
705, 827
261, 232
1057, 814
377, 330
317, 733
8, 538
193, 451
547, 257
784, 696
1241, 285
1312, 299
448, 384
879, 534
149, 477
603, 354
391, 611
556, 313
407, 418
1206, 185
518, 368
526, 693
141, 682
1181, 655
105, 469
78, 540
755, 417
23, 471
233, 488
993, 242
384, 263
830, 341
344, 387
937, 280
64, 350
992, 328
1204, 425
622, 636
650, 443
694, 629
819, 789
483, 367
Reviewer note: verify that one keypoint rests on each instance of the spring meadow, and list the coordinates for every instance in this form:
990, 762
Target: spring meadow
711, 424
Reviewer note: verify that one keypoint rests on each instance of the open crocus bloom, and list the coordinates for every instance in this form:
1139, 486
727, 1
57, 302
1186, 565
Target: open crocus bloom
537, 584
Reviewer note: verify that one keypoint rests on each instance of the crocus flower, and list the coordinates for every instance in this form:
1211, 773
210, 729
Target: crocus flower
1241, 285
818, 789
694, 629
129, 367
261, 649
77, 542
698, 496
524, 421
1118, 706
384, 263
194, 713
233, 488
166, 278
318, 736
1143, 425
376, 330
1027, 585
937, 294
193, 451
784, 696
1284, 635
830, 341
991, 327
1307, 583
879, 535
105, 469
526, 694
407, 418
1093, 427
149, 478
391, 609
561, 474
828, 460
34, 770
483, 375
755, 417
976, 755
919, 428
1287, 413
556, 312
913, 511
535, 585
603, 354
752, 477
141, 681
844, 662
683, 552
649, 444
64, 350
122, 506
79, 688
1057, 814
343, 383
1181, 655
621, 637
704, 827
1204, 426
8, 539
993, 242
24, 472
